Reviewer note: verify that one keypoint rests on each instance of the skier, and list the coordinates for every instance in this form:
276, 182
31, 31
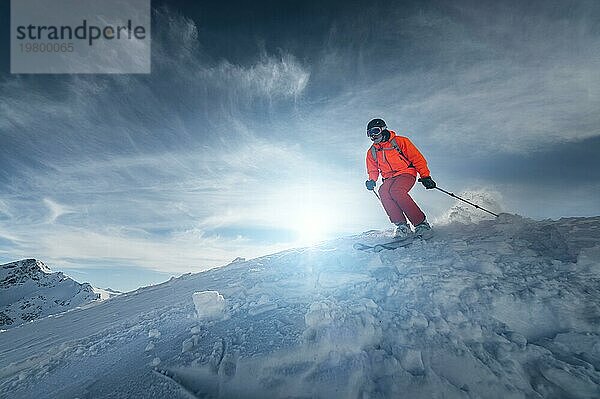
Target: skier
398, 161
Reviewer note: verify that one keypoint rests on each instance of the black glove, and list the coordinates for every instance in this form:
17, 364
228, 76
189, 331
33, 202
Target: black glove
370, 184
427, 182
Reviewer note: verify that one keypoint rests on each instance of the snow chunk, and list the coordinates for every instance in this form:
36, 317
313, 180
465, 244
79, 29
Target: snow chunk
188, 345
154, 333
589, 260
209, 304
264, 304
339, 326
319, 314
195, 330
412, 361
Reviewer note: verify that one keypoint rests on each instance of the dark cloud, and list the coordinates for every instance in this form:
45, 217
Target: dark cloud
560, 165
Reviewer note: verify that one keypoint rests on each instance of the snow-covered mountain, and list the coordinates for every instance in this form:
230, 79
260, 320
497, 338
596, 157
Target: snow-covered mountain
506, 308
30, 290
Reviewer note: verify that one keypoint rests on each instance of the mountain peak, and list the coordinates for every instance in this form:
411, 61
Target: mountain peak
30, 290
19, 272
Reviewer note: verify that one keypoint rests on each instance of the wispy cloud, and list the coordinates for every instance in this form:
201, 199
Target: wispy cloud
270, 77
124, 168
4, 209
56, 210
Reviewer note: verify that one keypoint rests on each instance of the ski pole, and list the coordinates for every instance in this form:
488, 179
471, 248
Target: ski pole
464, 200
377, 195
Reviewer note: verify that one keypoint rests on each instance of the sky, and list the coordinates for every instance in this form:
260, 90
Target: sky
248, 137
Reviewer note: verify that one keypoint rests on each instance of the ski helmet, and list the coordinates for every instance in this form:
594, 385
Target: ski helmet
377, 130
376, 123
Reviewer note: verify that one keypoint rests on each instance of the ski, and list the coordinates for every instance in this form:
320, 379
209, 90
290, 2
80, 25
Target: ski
391, 245
386, 245
362, 247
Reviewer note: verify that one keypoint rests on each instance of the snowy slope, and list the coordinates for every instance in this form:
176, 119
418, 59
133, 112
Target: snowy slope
508, 308
30, 290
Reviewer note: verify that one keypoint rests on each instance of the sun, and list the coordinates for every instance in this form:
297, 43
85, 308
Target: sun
312, 228
311, 221
308, 214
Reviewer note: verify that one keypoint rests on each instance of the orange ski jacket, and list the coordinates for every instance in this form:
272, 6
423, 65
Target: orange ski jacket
394, 157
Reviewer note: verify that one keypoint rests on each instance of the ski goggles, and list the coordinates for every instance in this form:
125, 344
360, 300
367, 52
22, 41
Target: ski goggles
375, 131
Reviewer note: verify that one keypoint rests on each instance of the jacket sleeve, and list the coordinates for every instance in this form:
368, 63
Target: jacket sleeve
372, 167
417, 159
